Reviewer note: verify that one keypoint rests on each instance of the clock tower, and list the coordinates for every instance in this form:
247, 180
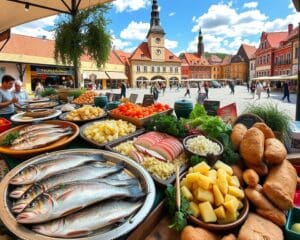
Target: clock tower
155, 36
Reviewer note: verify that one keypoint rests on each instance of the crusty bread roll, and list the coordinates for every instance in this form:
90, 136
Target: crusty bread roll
250, 177
265, 208
275, 151
237, 134
252, 146
196, 233
237, 171
261, 169
229, 237
280, 185
268, 133
258, 228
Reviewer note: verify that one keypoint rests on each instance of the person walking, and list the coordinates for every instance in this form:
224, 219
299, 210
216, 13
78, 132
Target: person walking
252, 88
155, 92
7, 100
286, 92
259, 89
123, 90
178, 86
268, 88
199, 87
248, 86
187, 90
163, 88
20, 94
231, 86
38, 90
206, 89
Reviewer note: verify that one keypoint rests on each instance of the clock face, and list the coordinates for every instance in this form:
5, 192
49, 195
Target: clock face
158, 51
157, 40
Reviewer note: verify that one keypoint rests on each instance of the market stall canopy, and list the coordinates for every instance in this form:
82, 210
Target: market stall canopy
196, 79
16, 12
98, 74
116, 75
279, 78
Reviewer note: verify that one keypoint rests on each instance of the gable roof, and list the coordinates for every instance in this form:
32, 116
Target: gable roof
249, 50
142, 53
227, 60
194, 59
38, 47
123, 56
274, 38
214, 58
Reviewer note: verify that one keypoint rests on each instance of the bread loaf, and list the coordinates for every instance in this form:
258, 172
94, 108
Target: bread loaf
252, 146
229, 237
280, 185
275, 151
265, 208
258, 228
237, 134
196, 233
250, 177
268, 133
261, 169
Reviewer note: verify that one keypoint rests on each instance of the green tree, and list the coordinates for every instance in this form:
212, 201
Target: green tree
83, 32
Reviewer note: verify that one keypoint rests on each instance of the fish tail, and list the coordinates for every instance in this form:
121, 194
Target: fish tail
130, 182
135, 191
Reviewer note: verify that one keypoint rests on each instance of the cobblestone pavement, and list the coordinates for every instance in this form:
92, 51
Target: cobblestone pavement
241, 97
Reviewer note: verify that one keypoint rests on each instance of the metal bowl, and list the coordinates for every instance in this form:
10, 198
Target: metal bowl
132, 168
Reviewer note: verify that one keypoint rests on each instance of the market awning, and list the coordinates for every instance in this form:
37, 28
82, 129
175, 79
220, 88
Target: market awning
116, 75
197, 79
16, 12
99, 74
279, 78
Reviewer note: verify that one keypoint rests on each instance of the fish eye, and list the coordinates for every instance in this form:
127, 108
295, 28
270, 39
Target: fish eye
32, 204
26, 195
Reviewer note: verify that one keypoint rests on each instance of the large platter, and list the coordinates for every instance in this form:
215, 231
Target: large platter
110, 146
34, 100
55, 145
37, 105
135, 169
102, 145
19, 117
63, 117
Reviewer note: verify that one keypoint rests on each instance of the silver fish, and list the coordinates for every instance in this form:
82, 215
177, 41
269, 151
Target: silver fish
88, 220
19, 191
37, 127
29, 135
71, 197
37, 172
39, 140
85, 172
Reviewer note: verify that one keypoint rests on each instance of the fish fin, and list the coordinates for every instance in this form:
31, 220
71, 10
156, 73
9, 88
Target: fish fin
136, 192
71, 211
78, 233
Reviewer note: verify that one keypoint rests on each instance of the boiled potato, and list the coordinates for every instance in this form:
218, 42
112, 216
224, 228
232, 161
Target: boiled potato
222, 180
212, 175
186, 192
204, 195
218, 196
220, 212
194, 209
207, 212
237, 192
220, 165
231, 205
202, 168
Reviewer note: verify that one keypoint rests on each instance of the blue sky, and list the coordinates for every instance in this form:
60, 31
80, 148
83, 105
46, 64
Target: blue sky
225, 24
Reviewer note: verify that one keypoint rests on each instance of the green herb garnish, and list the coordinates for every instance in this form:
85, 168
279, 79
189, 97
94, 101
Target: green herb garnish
194, 160
9, 138
179, 218
48, 92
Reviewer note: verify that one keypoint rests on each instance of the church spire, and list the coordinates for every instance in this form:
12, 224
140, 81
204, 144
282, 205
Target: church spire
155, 22
200, 44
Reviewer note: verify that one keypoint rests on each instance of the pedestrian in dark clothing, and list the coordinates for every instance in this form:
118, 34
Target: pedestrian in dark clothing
123, 90
163, 88
286, 92
199, 87
206, 89
268, 89
231, 86
187, 90
155, 92
248, 86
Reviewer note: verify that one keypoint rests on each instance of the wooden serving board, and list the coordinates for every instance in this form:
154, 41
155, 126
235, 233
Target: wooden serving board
155, 227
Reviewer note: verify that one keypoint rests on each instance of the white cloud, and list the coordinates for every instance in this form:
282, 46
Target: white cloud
130, 5
250, 5
135, 31
170, 44
120, 44
39, 28
172, 14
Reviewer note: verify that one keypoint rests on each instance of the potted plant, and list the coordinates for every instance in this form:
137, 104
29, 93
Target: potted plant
277, 120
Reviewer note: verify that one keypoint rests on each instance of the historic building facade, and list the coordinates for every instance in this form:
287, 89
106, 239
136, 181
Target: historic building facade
195, 65
151, 60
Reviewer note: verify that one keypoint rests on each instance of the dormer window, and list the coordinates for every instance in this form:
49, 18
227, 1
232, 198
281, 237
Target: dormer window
171, 57
142, 55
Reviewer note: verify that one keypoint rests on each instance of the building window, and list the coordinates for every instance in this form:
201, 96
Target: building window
268, 58
158, 69
152, 69
296, 53
145, 68
171, 69
138, 68
164, 69
176, 69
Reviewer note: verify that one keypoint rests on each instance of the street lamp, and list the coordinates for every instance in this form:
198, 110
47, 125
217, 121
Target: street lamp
297, 6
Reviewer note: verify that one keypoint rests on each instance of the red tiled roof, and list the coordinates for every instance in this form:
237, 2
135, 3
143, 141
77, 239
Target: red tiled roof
227, 60
123, 56
194, 59
142, 53
249, 50
34, 46
274, 38
214, 58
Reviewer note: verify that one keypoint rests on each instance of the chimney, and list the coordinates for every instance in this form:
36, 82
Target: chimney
290, 28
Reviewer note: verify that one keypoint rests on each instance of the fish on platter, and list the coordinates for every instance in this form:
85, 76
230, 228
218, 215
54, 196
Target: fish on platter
29, 135
88, 220
19, 191
71, 197
86, 172
36, 172
39, 140
38, 127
